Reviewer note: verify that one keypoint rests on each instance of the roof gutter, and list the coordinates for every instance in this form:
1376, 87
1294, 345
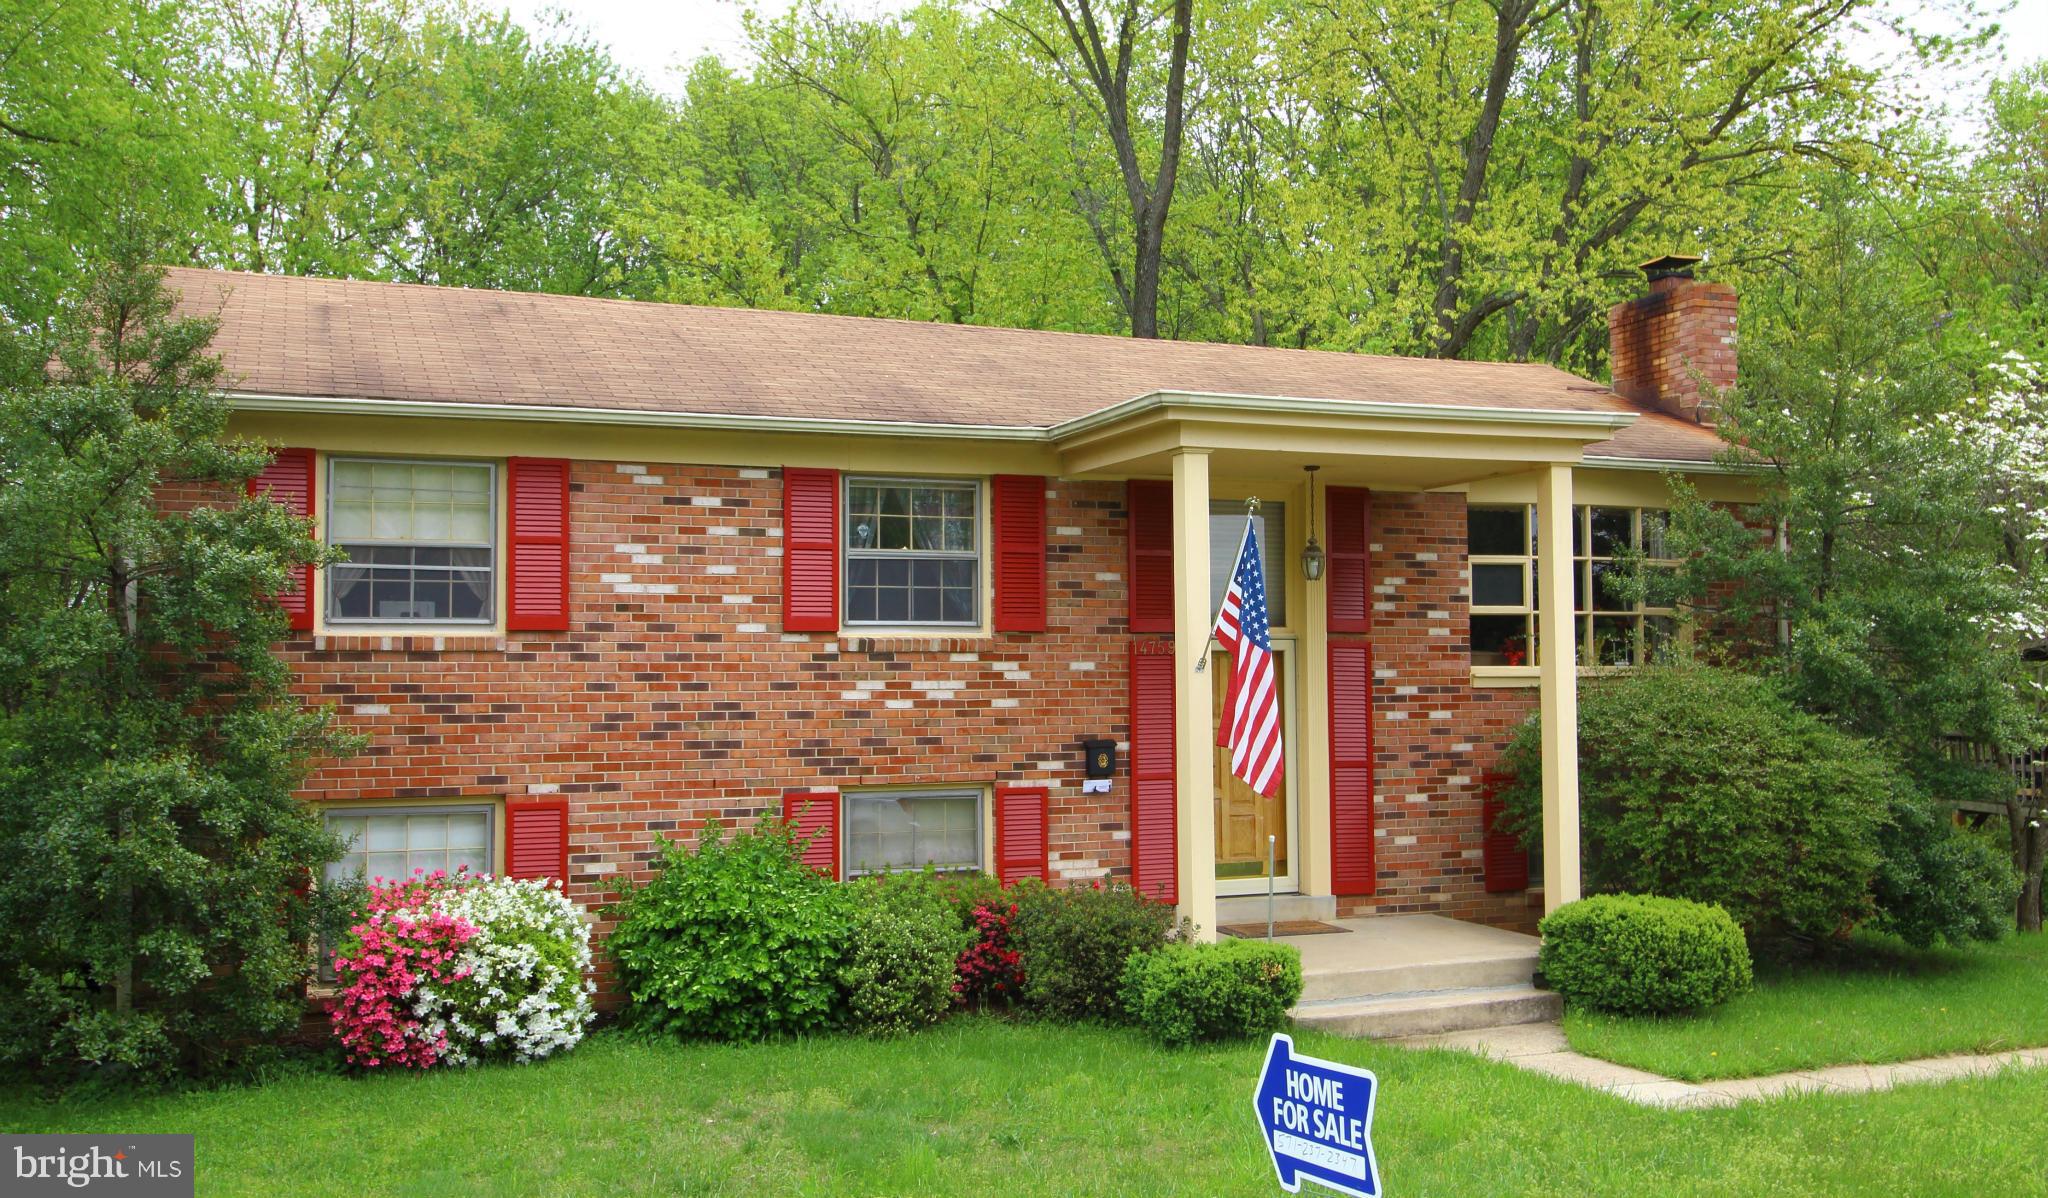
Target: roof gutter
1603, 422
249, 401
1592, 421
1666, 465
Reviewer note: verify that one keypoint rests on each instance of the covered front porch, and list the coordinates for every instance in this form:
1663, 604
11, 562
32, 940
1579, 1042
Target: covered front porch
1212, 453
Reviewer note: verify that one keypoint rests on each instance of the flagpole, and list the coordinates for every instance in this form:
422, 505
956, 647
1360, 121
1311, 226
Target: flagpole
1251, 508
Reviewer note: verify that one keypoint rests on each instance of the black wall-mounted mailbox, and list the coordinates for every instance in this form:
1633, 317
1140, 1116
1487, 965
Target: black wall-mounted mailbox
1101, 758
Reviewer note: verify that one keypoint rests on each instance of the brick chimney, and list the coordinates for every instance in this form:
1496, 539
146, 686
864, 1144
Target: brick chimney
1665, 344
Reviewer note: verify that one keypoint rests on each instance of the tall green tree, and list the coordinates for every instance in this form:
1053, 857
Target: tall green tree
425, 142
1893, 572
510, 158
300, 188
1125, 63
1873, 547
99, 111
154, 907
1494, 169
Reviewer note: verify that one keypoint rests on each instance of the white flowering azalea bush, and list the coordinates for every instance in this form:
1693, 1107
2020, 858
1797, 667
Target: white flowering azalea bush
456, 969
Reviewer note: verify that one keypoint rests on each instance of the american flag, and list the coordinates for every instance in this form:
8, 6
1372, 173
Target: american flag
1250, 727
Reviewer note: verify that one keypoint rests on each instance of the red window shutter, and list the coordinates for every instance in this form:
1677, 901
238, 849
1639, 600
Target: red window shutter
1349, 589
1155, 857
538, 560
1351, 814
1148, 505
537, 838
288, 480
1018, 507
815, 816
810, 550
1507, 862
1022, 820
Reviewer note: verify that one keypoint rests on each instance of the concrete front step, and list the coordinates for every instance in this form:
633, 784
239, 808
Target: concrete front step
1510, 967
1240, 909
1422, 1014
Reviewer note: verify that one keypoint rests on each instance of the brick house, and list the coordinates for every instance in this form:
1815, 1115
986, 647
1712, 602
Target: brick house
621, 568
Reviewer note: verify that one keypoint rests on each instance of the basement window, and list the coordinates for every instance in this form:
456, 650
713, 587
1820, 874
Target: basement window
894, 831
395, 842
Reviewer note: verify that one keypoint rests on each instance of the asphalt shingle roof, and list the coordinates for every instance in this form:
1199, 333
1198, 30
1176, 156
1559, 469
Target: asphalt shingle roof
294, 336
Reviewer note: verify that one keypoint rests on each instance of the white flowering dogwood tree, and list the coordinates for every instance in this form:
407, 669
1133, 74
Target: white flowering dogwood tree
2002, 432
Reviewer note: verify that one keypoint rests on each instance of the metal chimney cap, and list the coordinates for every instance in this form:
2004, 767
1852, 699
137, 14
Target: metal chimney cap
1671, 266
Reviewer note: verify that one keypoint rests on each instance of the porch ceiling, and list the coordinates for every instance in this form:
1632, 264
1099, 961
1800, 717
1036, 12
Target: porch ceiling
1256, 438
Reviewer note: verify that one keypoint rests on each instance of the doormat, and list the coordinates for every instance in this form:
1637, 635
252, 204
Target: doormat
1281, 927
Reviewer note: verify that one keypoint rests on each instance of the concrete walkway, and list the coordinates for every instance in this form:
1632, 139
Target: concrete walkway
1541, 1048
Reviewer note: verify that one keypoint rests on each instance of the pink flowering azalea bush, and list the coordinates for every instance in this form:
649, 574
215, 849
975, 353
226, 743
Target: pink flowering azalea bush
455, 969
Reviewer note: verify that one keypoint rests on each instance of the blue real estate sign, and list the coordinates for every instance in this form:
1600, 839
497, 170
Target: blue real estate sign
1317, 1119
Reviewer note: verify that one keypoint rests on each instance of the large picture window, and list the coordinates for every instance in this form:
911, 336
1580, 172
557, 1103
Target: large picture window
1610, 629
393, 842
913, 551
420, 538
889, 831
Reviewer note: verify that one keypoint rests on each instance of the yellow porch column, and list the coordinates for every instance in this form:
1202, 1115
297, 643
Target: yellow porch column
1194, 729
1557, 651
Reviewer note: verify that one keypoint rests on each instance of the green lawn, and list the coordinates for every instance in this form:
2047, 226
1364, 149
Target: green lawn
1882, 1002
985, 1107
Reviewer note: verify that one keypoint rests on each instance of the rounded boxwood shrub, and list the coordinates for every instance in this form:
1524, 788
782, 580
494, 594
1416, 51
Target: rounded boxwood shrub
1233, 988
1639, 954
734, 938
1709, 784
902, 945
1073, 942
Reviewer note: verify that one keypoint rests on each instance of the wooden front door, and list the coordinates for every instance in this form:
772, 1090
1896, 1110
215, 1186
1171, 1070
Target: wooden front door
1244, 819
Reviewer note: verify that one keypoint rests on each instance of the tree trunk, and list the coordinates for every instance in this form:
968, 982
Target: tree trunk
1106, 68
1145, 286
2029, 848
1455, 326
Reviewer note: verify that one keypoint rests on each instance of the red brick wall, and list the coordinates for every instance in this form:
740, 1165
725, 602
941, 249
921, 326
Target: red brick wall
1434, 733
676, 699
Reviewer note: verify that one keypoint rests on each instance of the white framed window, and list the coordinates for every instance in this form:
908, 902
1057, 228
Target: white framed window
893, 830
391, 842
912, 551
1610, 630
421, 538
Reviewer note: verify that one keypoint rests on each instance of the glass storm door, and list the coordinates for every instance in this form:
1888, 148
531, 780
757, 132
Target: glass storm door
1244, 820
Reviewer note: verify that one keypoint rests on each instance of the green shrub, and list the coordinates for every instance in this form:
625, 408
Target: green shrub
899, 968
1233, 988
1937, 882
1639, 954
1075, 941
735, 938
1708, 784
960, 891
